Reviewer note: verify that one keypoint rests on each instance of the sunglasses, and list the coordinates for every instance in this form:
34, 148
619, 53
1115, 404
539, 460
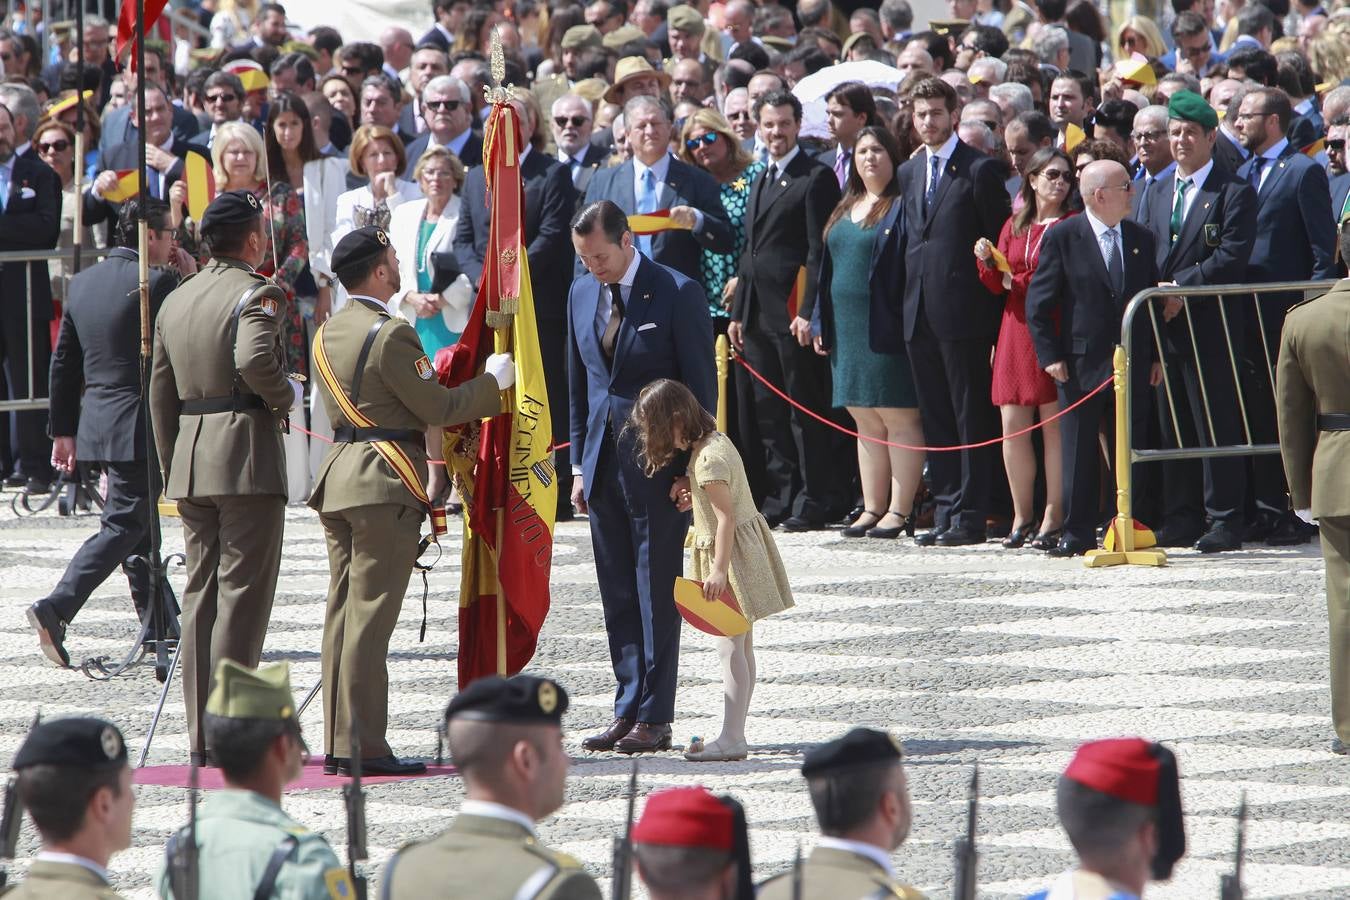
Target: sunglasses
706, 140
1055, 175
352, 70
221, 98
60, 146
1336, 145
737, 116
442, 105
575, 121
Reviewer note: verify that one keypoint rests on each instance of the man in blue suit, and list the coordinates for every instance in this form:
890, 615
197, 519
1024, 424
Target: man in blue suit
1295, 241
653, 180
630, 322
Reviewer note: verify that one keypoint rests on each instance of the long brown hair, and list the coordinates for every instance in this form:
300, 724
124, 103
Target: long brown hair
661, 407
856, 190
1043, 157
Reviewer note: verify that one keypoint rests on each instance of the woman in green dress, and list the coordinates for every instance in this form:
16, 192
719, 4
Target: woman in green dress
858, 325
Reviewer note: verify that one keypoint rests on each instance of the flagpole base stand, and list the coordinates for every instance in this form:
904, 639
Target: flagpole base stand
1098, 559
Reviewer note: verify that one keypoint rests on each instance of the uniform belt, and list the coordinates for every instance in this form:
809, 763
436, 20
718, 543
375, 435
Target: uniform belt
348, 434
206, 405
1333, 422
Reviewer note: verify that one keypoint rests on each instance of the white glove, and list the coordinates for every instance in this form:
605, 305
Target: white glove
1306, 515
299, 391
501, 367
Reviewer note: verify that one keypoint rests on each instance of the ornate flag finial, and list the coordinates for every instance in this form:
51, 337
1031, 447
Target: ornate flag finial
497, 92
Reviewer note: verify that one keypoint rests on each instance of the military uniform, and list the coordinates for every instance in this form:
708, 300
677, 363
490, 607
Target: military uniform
833, 873
1312, 397
218, 398
51, 880
370, 517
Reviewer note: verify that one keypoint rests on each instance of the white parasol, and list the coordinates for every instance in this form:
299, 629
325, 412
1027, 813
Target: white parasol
812, 89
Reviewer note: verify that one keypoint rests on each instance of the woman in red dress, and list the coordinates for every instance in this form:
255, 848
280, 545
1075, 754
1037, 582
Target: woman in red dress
1021, 389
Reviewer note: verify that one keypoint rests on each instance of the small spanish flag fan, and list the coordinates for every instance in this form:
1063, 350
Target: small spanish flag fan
201, 184
721, 617
128, 186
652, 222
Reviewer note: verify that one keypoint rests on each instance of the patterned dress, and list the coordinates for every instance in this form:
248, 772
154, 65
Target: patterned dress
284, 214
718, 268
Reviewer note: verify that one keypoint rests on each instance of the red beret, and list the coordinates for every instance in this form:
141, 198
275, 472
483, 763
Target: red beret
686, 817
1124, 768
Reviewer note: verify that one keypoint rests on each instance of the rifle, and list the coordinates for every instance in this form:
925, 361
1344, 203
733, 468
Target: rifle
184, 875
623, 847
1230, 886
797, 873
966, 857
11, 823
355, 799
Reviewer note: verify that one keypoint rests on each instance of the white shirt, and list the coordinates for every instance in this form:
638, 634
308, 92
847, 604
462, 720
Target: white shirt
387, 307
1100, 229
455, 144
943, 153
1272, 153
22, 148
489, 810
71, 859
1197, 179
605, 308
782, 164
6, 179
858, 848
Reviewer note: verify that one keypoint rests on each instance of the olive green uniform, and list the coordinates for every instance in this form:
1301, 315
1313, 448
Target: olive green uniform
830, 873
1312, 382
371, 520
50, 880
488, 859
227, 469
238, 832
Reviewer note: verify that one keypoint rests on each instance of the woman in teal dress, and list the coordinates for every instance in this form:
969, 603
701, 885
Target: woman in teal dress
858, 325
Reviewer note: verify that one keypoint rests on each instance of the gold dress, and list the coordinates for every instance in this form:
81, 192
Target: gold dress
756, 572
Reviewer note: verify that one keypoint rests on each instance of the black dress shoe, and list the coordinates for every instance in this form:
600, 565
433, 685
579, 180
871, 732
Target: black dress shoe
51, 632
1018, 536
331, 764
929, 538
861, 529
1219, 538
1068, 546
205, 760
906, 526
1178, 534
606, 739
15, 481
799, 524
1339, 748
383, 765
1261, 526
1047, 540
646, 737
1288, 532
37, 486
960, 536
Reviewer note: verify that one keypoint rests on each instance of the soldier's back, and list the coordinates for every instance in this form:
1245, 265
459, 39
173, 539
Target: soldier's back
487, 859
831, 874
48, 880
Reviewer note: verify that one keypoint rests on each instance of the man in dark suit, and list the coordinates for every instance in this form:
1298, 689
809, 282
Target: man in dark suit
632, 321
119, 125
572, 120
1090, 267
449, 18
224, 96
1336, 168
771, 318
849, 108
31, 220
1203, 220
953, 196
654, 180
1295, 241
98, 352
449, 116
550, 201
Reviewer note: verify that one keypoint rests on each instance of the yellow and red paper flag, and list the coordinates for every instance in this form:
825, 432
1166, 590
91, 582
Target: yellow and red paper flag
721, 617
1315, 147
652, 222
1136, 70
128, 186
1073, 136
1000, 261
201, 184
504, 465
794, 300
250, 75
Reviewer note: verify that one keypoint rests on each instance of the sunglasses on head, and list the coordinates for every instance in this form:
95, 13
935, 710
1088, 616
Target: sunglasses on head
443, 105
59, 146
707, 140
574, 121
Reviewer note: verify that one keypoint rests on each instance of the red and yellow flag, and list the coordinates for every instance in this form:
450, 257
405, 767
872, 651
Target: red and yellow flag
721, 617
1315, 147
652, 222
126, 24
201, 184
128, 186
503, 466
1073, 136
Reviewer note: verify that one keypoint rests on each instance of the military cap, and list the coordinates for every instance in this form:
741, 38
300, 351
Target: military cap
359, 246
244, 693
582, 37
520, 699
84, 742
231, 208
619, 37
685, 18
591, 89
860, 747
1191, 107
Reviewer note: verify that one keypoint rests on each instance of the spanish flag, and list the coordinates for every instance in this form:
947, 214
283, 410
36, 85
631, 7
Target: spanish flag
1073, 136
652, 222
1000, 261
128, 186
503, 466
126, 24
794, 300
721, 617
1315, 147
201, 184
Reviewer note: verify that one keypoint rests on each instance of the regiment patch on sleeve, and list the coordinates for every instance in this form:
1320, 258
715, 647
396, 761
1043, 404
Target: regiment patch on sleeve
269, 306
425, 371
339, 885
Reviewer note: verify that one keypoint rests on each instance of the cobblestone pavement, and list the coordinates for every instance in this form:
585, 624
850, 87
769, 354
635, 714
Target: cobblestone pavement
1003, 657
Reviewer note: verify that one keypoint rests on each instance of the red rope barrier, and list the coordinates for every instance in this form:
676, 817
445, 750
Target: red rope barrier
989, 443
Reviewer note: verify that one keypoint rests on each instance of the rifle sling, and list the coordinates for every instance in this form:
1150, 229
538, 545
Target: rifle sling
274, 864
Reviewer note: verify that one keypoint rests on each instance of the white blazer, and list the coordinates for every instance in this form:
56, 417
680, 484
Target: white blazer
325, 182
404, 224
347, 204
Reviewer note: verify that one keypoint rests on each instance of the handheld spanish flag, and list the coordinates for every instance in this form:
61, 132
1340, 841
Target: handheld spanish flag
1316, 147
201, 184
64, 104
128, 186
250, 75
1136, 70
652, 222
126, 23
794, 300
721, 617
1073, 136
1000, 261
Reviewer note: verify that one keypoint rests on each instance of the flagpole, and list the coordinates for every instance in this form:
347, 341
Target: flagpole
79, 136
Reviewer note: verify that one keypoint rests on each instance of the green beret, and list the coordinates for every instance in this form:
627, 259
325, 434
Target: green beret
860, 747
83, 742
580, 37
520, 699
231, 208
685, 18
244, 693
1191, 107
624, 34
357, 247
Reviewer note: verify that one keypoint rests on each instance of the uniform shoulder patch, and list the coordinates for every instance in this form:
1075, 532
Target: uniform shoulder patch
339, 885
268, 305
425, 370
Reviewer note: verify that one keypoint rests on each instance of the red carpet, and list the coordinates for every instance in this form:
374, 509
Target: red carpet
312, 779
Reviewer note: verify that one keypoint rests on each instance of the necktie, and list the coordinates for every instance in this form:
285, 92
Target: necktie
1255, 175
934, 173
646, 203
1143, 191
841, 166
773, 173
1179, 207
1115, 266
152, 181
576, 168
611, 335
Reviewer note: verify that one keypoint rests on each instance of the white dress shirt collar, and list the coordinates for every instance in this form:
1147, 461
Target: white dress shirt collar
631, 272
1276, 149
489, 810
1197, 178
22, 148
945, 151
1098, 226
782, 164
659, 168
858, 848
389, 307
456, 144
71, 859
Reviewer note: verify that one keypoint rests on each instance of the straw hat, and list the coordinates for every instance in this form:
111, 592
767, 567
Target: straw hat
629, 68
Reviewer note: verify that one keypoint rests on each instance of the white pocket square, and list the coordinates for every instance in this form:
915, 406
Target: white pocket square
648, 327
27, 193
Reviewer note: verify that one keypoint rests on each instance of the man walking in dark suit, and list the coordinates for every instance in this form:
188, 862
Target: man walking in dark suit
953, 196
771, 318
1295, 241
550, 200
1090, 267
1203, 220
98, 351
30, 219
632, 321
653, 180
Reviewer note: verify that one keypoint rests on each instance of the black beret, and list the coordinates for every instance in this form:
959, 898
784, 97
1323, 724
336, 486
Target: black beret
231, 208
359, 246
860, 747
522, 699
83, 742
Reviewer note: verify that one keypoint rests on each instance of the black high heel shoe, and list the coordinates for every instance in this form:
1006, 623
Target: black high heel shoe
1047, 540
906, 526
1018, 536
856, 530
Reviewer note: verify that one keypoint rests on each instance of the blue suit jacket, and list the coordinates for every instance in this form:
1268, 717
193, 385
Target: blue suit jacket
685, 185
886, 321
1295, 234
667, 333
